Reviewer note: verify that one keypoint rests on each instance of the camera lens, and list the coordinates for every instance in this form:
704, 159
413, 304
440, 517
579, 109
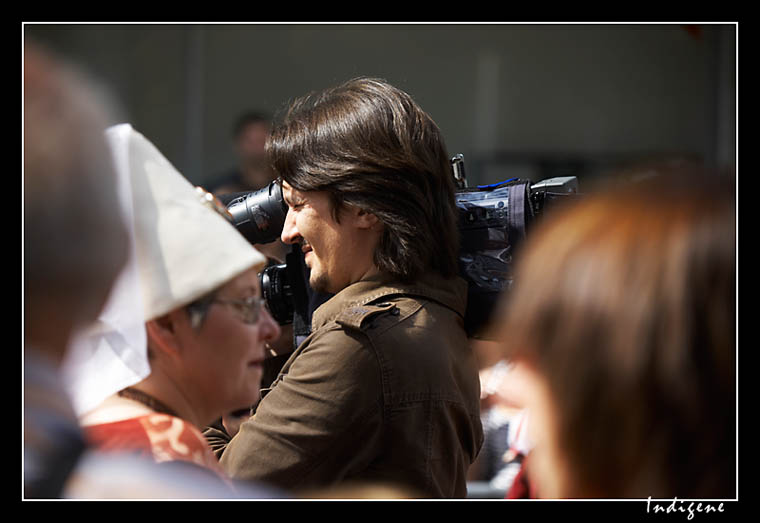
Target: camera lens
259, 215
278, 293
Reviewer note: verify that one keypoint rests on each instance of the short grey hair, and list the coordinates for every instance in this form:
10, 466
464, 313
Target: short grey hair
198, 309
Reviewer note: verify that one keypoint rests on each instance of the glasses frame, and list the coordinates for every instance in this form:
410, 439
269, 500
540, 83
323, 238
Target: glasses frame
251, 307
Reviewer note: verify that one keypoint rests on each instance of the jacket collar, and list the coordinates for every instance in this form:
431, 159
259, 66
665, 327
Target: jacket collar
451, 293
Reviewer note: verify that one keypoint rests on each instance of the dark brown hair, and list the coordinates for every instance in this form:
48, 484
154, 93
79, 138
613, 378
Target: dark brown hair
625, 303
368, 144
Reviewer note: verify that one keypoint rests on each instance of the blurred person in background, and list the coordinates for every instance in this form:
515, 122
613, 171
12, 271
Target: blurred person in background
196, 295
385, 389
500, 459
252, 171
75, 246
621, 329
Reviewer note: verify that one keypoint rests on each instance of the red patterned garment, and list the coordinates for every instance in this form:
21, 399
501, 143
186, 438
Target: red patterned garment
160, 436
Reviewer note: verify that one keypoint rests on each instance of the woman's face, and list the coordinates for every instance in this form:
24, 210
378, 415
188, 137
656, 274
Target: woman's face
224, 355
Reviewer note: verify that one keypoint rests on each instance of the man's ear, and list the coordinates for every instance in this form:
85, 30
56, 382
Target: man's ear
364, 219
162, 334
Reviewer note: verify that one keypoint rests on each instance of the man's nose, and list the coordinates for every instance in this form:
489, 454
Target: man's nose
290, 234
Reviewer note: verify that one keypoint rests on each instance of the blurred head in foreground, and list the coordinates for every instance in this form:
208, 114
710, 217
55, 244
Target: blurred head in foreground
74, 249
74, 244
622, 322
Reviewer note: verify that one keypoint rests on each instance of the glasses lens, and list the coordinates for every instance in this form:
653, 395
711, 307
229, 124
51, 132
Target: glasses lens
252, 309
249, 308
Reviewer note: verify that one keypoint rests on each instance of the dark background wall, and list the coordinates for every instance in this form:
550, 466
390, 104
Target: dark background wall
517, 99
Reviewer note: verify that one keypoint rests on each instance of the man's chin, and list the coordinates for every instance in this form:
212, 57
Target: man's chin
319, 283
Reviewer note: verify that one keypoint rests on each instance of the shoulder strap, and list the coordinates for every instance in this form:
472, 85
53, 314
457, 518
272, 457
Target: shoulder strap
357, 317
519, 210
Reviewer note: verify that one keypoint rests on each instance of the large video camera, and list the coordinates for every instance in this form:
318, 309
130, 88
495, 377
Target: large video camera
493, 220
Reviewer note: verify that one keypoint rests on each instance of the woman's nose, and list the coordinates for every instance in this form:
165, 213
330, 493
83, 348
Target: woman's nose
270, 328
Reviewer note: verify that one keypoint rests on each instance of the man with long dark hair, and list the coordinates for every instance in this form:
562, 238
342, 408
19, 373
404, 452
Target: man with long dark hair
385, 390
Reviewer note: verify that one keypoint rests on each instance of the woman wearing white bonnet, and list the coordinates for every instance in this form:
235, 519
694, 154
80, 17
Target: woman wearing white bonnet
182, 339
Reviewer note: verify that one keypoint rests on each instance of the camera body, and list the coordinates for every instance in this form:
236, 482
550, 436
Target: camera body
493, 221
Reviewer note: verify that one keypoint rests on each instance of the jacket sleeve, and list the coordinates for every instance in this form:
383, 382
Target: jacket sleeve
319, 421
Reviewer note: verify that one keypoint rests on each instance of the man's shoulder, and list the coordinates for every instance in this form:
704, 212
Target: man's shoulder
362, 317
371, 319
359, 304
398, 319
351, 333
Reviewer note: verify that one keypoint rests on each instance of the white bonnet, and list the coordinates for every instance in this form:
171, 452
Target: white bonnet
180, 250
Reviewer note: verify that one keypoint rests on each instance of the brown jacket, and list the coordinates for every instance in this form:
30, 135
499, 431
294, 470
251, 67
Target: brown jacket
384, 390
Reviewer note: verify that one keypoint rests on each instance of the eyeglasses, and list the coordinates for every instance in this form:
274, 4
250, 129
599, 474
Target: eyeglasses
250, 307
